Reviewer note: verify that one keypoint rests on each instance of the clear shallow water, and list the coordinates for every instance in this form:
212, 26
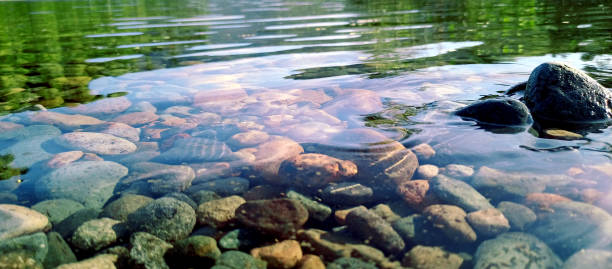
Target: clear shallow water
336, 77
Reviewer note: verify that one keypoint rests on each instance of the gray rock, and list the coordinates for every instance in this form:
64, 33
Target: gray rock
416, 230
488, 222
197, 246
223, 186
71, 223
103, 261
458, 193
422, 257
28, 132
558, 92
59, 252
125, 205
350, 263
190, 150
157, 179
64, 121
148, 250
220, 212
19, 259
589, 258
239, 260
203, 196
515, 250
17, 220
34, 246
519, 216
96, 234
183, 197
167, 218
57, 209
315, 209
506, 111
278, 217
239, 239
76, 181
451, 220
347, 193
28, 152
372, 228
98, 143
571, 226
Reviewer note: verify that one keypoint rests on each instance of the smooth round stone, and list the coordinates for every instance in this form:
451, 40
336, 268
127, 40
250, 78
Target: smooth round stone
315, 209
64, 121
158, 179
96, 234
458, 193
426, 171
220, 212
519, 250
239, 239
279, 217
64, 158
285, 254
33, 246
104, 107
519, 216
121, 130
203, 196
57, 209
148, 250
312, 170
457, 171
102, 261
17, 220
415, 193
248, 139
385, 212
125, 205
451, 220
374, 229
196, 251
75, 181
347, 193
505, 111
423, 152
195, 149
224, 186
350, 263
136, 118
167, 218
562, 134
311, 261
424, 257
59, 251
234, 259
99, 143
488, 222
589, 258
71, 223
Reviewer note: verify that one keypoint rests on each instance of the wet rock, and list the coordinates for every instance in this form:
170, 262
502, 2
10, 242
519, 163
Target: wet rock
248, 139
458, 193
417, 230
239, 239
148, 250
422, 257
488, 222
104, 107
263, 192
558, 92
506, 111
71, 223
64, 158
118, 129
8, 129
33, 246
519, 216
561, 134
310, 261
589, 258
285, 254
426, 171
125, 205
17, 220
223, 186
196, 150
513, 186
515, 250
91, 157
457, 171
28, 152
194, 251
278, 217
103, 261
270, 155
543, 201
57, 210
203, 196
64, 121
238, 260
225, 94
354, 102
157, 178
340, 215
74, 181
385, 212
19, 260
220, 212
451, 220
98, 143
59, 252
167, 218
183, 198
372, 228
350, 263
423, 152
416, 193
347, 193
571, 226
96, 234
137, 118
316, 210
29, 132
313, 170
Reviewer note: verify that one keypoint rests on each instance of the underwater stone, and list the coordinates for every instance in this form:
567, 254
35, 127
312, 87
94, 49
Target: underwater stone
158, 178
148, 250
220, 212
34, 246
347, 193
120, 209
458, 193
515, 250
315, 209
589, 258
284, 255
59, 251
234, 259
350, 263
519, 216
194, 149
423, 257
313, 170
64, 121
488, 222
17, 220
103, 261
57, 209
167, 218
451, 220
372, 228
99, 143
223, 186
71, 223
96, 234
505, 111
279, 217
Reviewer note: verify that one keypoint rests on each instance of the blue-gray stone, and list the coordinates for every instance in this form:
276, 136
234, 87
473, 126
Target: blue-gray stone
459, 193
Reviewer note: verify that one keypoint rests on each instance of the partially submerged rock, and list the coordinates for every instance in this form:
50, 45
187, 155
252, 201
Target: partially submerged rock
505, 111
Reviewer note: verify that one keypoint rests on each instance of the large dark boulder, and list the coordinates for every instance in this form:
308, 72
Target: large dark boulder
556, 92
506, 111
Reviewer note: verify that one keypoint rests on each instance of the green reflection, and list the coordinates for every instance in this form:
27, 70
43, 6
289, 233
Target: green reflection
6, 171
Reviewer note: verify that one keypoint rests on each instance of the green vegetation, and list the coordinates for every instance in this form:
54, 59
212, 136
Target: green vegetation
6, 171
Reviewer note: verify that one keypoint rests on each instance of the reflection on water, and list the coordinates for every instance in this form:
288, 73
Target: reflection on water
333, 103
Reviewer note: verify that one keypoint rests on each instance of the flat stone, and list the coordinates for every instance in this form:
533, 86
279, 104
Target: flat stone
57, 209
488, 222
223, 186
270, 155
314, 170
157, 178
74, 181
423, 257
278, 217
451, 220
96, 234
167, 218
220, 212
423, 152
372, 228
105, 106
64, 158
125, 205
103, 261
519, 216
136, 118
562, 134
347, 193
457, 171
148, 250
64, 121
17, 220
189, 150
458, 193
285, 254
248, 139
316, 210
515, 250
119, 130
99, 143
589, 258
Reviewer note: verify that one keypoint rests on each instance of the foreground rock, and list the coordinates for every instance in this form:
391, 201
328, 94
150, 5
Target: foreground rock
99, 143
278, 217
459, 193
96, 234
589, 258
148, 251
505, 111
33, 246
515, 250
167, 218
313, 170
76, 181
103, 261
372, 228
452, 221
57, 209
558, 92
124, 206
64, 121
423, 257
157, 179
488, 222
196, 150
285, 254
219, 212
17, 220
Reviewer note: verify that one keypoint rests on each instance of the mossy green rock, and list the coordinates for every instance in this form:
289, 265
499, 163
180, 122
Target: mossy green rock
198, 246
350, 263
239, 260
34, 246
59, 251
57, 209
